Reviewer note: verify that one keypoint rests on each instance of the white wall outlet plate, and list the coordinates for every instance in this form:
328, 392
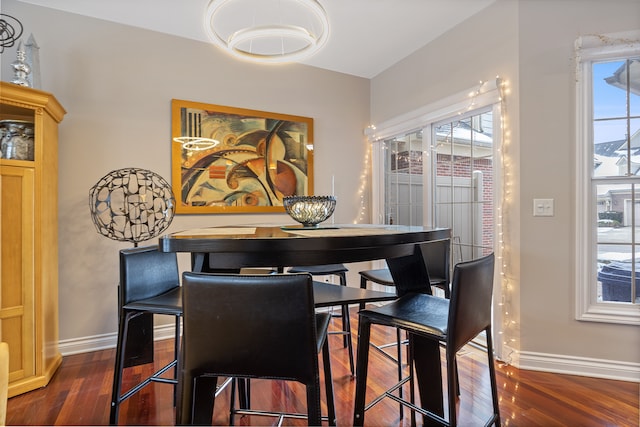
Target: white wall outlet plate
542, 207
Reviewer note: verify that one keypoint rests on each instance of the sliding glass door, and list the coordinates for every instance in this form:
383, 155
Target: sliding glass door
442, 175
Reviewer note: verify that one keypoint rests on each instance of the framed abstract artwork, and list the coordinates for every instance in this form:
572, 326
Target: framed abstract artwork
233, 160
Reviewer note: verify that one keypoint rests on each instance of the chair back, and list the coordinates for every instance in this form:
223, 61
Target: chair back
145, 272
250, 326
471, 298
437, 257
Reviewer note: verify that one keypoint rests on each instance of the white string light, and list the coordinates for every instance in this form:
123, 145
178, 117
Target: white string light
509, 328
362, 190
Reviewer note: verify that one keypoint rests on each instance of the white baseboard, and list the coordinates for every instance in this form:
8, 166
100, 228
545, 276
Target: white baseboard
561, 364
106, 341
583, 366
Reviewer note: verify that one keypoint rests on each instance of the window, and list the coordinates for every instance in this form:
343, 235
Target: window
608, 181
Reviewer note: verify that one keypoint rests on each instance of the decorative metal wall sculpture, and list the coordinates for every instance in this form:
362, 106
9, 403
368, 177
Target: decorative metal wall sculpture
131, 205
10, 31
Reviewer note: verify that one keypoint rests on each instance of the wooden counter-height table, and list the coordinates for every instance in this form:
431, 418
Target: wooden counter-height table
276, 246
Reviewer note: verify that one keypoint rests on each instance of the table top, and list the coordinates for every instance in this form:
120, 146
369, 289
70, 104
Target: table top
285, 245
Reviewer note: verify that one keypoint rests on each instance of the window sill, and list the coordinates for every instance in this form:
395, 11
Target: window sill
625, 314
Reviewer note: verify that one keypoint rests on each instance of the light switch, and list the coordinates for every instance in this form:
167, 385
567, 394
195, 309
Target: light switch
542, 207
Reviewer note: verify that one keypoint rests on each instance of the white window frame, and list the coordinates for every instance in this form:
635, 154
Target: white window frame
590, 49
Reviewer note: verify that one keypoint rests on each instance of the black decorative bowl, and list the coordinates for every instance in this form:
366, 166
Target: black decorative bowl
309, 210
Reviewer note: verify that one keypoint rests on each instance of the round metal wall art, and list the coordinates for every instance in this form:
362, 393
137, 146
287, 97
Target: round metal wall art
131, 205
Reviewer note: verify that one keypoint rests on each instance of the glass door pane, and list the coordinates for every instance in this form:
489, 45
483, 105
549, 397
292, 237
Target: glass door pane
403, 179
463, 195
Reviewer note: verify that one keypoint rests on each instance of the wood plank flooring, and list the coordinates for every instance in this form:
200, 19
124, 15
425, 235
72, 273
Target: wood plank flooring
80, 393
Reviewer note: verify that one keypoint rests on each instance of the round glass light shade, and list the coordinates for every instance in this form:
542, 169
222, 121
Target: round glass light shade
269, 31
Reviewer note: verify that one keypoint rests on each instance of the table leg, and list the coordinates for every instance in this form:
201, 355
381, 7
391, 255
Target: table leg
362, 365
197, 261
428, 370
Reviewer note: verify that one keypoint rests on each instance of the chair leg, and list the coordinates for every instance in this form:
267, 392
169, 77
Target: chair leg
364, 335
203, 400
492, 373
347, 330
345, 314
363, 285
346, 327
314, 417
399, 347
452, 385
328, 383
245, 393
117, 371
412, 383
457, 377
232, 400
243, 386
176, 354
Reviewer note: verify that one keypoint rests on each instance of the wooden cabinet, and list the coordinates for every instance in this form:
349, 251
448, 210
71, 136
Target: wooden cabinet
29, 242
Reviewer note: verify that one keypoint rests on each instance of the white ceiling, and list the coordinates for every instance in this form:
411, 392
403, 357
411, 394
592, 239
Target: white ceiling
366, 36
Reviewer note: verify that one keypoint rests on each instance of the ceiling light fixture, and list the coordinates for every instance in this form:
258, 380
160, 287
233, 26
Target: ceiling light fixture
271, 31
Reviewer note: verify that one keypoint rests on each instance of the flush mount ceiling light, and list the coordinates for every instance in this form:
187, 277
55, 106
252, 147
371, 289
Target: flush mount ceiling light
269, 31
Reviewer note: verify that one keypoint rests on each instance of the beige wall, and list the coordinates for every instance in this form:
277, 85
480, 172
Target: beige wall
116, 83
529, 43
547, 100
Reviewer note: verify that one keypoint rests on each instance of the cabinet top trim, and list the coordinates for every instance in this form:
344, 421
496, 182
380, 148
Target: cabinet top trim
27, 97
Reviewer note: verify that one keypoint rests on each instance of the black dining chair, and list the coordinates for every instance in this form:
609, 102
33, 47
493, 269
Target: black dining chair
340, 271
251, 326
436, 256
452, 322
149, 285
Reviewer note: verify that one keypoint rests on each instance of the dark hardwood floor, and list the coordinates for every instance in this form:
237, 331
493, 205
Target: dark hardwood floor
80, 393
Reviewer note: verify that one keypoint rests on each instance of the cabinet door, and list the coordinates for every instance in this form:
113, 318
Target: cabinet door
17, 269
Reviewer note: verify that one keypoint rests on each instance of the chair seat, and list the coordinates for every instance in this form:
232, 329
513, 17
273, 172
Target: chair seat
328, 295
320, 269
381, 276
169, 303
416, 313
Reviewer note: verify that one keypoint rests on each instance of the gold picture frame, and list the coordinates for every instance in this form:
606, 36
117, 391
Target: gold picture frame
235, 160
